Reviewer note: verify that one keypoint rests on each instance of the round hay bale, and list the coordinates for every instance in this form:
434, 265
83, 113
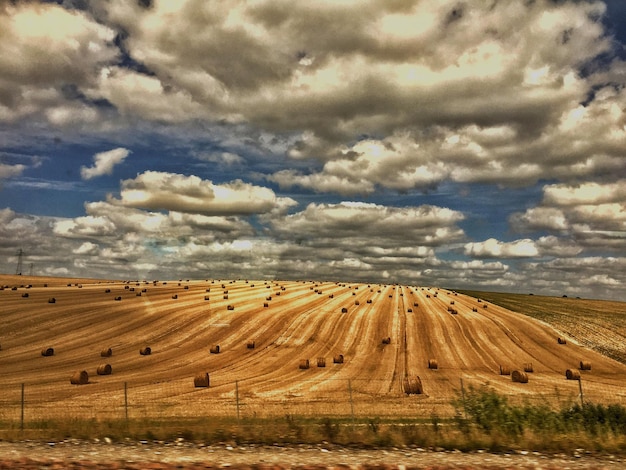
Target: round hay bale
118, 298
433, 364
47, 352
304, 364
250, 345
269, 297
52, 300
572, 374
519, 376
215, 349
145, 351
338, 359
344, 310
206, 297
562, 341
415, 304
175, 296
528, 367
230, 307
585, 365
104, 369
80, 377
107, 352
356, 302
387, 340
266, 305
25, 294
321, 362
505, 370
201, 380
369, 301
410, 310
413, 385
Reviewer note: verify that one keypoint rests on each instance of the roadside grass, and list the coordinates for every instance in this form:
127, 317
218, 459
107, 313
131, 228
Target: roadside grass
484, 420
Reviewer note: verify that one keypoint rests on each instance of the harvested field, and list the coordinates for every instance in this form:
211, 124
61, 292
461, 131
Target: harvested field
301, 326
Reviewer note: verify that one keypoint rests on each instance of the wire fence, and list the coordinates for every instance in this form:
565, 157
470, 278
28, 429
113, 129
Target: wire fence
341, 398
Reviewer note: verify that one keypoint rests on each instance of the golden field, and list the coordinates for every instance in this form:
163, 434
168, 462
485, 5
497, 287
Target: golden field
182, 320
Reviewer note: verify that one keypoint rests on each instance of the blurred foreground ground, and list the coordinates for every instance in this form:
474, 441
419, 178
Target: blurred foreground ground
75, 454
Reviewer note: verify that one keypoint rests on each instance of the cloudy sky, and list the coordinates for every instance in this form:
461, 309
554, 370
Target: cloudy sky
457, 143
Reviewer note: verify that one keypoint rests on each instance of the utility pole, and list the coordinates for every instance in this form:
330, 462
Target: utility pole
20, 253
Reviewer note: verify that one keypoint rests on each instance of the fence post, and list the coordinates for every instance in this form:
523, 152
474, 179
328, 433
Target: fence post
463, 397
237, 397
22, 410
580, 388
351, 401
126, 400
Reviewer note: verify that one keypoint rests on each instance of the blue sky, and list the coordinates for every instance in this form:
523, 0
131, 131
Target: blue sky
462, 144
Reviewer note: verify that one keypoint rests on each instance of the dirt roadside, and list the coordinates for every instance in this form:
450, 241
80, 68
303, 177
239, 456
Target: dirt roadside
76, 454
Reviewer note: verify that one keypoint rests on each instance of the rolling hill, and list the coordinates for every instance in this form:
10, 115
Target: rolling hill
289, 322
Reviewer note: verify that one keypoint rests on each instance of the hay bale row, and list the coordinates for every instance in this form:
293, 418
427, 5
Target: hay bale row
413, 385
201, 380
519, 376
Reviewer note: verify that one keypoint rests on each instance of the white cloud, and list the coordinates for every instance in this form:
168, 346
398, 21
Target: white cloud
591, 214
9, 171
493, 248
175, 192
104, 163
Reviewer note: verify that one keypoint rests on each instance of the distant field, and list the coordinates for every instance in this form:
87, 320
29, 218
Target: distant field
597, 324
384, 333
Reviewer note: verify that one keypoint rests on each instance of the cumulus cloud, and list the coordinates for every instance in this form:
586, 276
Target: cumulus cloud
8, 171
371, 225
104, 163
592, 214
493, 248
46, 51
175, 192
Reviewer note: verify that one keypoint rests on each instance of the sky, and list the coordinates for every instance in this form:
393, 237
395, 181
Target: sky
466, 144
